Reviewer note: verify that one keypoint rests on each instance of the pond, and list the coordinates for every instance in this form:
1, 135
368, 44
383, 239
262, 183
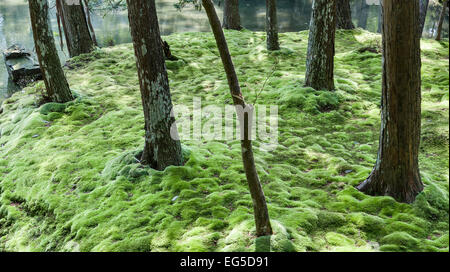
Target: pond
294, 15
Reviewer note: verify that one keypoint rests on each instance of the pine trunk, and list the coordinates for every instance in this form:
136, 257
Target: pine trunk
162, 147
231, 17
272, 25
423, 15
262, 221
441, 20
396, 172
57, 88
344, 15
320, 58
76, 29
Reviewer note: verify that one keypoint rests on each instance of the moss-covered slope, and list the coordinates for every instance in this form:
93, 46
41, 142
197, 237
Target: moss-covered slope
69, 180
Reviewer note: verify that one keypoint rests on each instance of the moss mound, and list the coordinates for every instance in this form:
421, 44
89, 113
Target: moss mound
69, 179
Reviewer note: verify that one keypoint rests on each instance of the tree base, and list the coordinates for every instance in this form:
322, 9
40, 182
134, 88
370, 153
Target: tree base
401, 191
273, 47
147, 158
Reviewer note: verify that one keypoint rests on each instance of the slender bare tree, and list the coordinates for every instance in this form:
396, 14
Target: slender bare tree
441, 20
262, 221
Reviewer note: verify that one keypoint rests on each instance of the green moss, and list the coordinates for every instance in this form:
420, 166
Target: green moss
70, 179
331, 220
401, 240
337, 239
52, 107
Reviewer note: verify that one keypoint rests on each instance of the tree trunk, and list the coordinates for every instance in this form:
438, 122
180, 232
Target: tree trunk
441, 20
363, 14
423, 15
88, 18
396, 172
57, 88
262, 221
76, 29
272, 25
344, 15
162, 147
320, 58
231, 17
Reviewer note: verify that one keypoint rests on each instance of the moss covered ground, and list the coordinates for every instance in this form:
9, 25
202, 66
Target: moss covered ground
69, 180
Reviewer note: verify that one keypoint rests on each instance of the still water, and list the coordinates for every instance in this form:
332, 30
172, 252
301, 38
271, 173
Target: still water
293, 15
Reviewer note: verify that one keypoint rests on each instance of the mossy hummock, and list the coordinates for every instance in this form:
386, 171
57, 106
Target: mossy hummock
70, 181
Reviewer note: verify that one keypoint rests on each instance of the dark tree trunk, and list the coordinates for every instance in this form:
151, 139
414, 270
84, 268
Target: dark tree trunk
272, 25
320, 58
423, 15
262, 221
76, 29
231, 17
396, 172
162, 147
441, 20
344, 15
57, 88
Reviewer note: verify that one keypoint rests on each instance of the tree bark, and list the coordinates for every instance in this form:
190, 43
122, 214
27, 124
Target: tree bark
57, 88
162, 147
320, 58
231, 17
441, 20
344, 15
262, 220
423, 15
76, 29
396, 172
272, 25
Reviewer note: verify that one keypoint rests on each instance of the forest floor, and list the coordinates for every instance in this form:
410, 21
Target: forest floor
69, 180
